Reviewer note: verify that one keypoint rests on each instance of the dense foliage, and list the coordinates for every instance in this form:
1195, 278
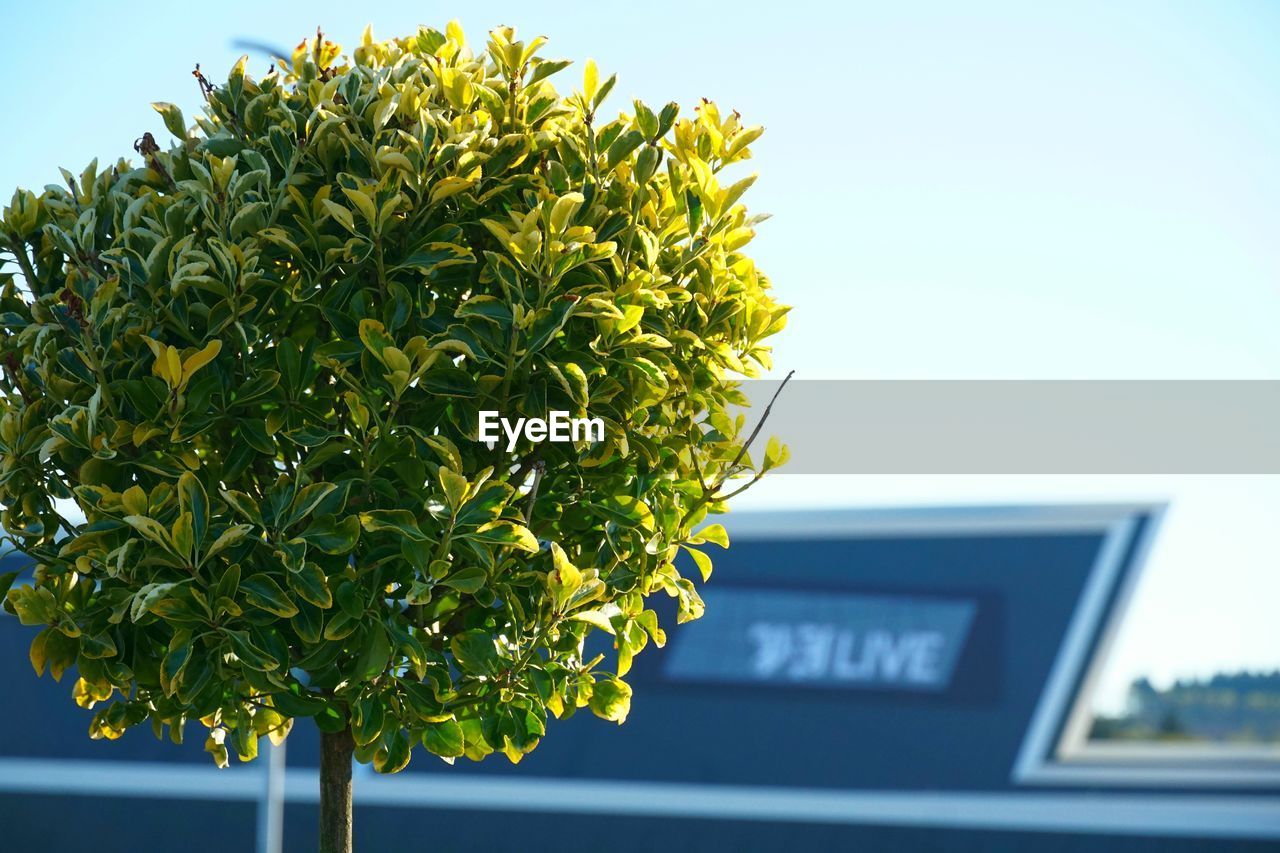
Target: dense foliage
254, 361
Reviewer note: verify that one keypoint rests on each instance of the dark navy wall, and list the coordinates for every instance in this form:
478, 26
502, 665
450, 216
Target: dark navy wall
963, 739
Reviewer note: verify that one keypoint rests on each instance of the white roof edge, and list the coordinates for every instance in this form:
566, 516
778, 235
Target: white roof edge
975, 519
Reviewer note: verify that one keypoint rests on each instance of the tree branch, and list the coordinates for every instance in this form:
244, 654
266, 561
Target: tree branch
742, 451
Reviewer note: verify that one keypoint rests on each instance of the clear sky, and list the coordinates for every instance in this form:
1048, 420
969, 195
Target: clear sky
1000, 191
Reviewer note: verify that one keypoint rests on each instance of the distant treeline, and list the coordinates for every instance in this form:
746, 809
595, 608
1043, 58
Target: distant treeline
1239, 707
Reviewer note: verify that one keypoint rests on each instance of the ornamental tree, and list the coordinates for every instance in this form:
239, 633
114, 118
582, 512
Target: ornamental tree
254, 361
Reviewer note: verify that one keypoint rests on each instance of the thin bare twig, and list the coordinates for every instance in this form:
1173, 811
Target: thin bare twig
742, 451
539, 468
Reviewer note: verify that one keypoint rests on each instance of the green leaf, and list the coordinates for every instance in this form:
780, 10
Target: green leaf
263, 592
475, 651
341, 215
485, 505
623, 146
421, 699
730, 195
172, 116
310, 584
395, 520
543, 69
307, 499
443, 739
228, 539
597, 618
183, 537
467, 580
448, 382
435, 256
352, 599
153, 530
331, 719
646, 121
775, 454
310, 436
374, 336
547, 324
249, 654
625, 510
229, 583
713, 533
455, 487
340, 626
97, 647
309, 623
368, 716
375, 653
148, 597
297, 702
6, 581
611, 700
702, 561
245, 740
331, 535
488, 308
393, 755
172, 666
258, 385
245, 505
193, 499
667, 118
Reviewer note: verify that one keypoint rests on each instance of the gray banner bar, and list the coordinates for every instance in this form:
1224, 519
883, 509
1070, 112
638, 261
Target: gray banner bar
1022, 427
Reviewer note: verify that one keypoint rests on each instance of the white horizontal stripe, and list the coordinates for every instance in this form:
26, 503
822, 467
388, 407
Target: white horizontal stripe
1099, 774
130, 779
976, 520
1128, 814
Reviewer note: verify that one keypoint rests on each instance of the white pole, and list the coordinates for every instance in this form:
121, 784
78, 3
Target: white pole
271, 802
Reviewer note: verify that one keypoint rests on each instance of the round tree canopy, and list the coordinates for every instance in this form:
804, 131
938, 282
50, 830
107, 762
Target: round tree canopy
256, 361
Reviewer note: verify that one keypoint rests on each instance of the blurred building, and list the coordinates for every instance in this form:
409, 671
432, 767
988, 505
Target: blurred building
873, 680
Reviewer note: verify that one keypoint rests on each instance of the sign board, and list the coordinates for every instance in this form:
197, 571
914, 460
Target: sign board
843, 640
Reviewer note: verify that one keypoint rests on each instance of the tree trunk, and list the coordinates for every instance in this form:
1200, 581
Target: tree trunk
335, 791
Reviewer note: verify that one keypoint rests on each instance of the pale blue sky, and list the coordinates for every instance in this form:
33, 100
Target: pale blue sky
1004, 191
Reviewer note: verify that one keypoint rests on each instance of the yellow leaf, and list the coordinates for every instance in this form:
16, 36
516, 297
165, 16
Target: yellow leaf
455, 487
173, 363
563, 210
531, 48
143, 433
564, 577
453, 30
498, 230
197, 360
631, 315
394, 159
590, 79
449, 187
168, 365
729, 195
739, 142
341, 214
134, 501
363, 202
